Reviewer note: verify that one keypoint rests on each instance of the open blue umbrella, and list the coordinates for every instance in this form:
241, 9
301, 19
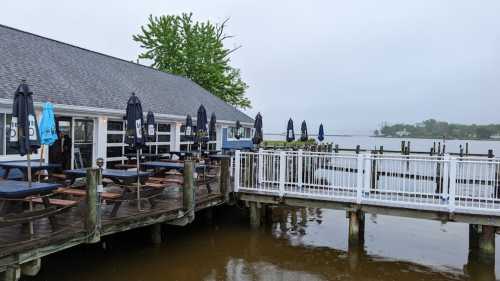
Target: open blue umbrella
290, 134
47, 126
321, 133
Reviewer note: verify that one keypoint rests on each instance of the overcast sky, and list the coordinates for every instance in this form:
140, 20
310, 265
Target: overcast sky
348, 64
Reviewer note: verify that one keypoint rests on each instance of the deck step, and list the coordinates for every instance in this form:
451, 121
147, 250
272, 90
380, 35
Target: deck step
55, 202
155, 185
79, 192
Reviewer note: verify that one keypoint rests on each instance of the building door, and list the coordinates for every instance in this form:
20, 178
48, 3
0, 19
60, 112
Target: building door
83, 136
60, 151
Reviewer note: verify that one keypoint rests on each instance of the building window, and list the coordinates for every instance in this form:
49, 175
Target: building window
245, 133
117, 148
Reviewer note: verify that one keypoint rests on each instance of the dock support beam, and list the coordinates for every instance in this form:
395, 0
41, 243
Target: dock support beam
11, 274
188, 192
155, 234
356, 228
482, 243
356, 243
255, 214
31, 268
225, 186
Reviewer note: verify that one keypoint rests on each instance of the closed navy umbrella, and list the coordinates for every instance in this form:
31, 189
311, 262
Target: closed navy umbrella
238, 129
201, 126
258, 135
150, 128
303, 131
135, 121
212, 130
24, 128
321, 133
188, 130
290, 134
134, 135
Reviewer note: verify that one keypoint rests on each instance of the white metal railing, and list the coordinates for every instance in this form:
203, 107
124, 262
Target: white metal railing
445, 183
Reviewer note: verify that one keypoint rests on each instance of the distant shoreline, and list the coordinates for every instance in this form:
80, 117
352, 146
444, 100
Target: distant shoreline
431, 138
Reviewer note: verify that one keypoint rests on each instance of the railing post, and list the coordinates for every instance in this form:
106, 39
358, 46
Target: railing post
446, 174
299, 168
260, 168
359, 178
453, 183
282, 173
368, 177
237, 157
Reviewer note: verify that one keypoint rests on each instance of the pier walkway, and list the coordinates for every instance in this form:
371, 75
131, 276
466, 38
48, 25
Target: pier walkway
439, 187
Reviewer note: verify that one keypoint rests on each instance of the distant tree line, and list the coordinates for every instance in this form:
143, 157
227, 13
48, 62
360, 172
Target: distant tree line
432, 128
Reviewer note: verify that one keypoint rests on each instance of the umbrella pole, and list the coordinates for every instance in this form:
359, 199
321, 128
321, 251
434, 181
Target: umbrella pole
138, 182
28, 157
41, 161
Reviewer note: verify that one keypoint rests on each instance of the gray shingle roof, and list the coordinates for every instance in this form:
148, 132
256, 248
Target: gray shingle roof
66, 74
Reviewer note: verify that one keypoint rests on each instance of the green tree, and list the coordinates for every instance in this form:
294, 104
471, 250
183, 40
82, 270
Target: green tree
182, 46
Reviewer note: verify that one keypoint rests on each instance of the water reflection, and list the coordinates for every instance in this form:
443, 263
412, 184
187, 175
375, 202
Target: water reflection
298, 244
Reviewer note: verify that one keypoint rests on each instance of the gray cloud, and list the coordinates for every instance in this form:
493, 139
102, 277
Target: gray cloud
348, 64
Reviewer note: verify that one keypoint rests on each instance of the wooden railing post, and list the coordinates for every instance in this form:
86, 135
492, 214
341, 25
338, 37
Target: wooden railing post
92, 199
453, 183
359, 178
188, 191
282, 173
225, 187
237, 161
299, 168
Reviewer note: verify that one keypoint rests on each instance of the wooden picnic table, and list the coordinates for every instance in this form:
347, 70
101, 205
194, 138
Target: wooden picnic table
117, 176
170, 165
23, 166
10, 189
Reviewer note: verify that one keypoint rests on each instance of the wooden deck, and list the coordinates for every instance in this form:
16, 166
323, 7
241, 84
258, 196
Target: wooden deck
17, 246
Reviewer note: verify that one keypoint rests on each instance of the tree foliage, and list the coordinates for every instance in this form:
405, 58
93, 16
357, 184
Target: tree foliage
432, 128
182, 46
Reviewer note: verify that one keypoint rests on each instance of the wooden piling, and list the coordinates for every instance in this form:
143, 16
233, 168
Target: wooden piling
13, 273
92, 199
224, 179
155, 234
32, 267
356, 228
482, 243
188, 191
254, 214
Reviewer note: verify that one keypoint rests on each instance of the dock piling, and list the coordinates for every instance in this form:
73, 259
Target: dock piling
188, 192
356, 228
91, 216
482, 243
155, 234
254, 214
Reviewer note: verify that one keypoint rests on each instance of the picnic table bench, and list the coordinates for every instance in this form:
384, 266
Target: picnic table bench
15, 193
36, 166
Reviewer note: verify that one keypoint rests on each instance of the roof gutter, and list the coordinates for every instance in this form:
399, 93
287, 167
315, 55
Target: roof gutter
112, 112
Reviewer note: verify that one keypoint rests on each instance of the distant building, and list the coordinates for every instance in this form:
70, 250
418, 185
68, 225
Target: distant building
89, 91
402, 133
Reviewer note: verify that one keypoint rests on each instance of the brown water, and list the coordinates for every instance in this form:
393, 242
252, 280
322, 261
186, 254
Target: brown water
310, 245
